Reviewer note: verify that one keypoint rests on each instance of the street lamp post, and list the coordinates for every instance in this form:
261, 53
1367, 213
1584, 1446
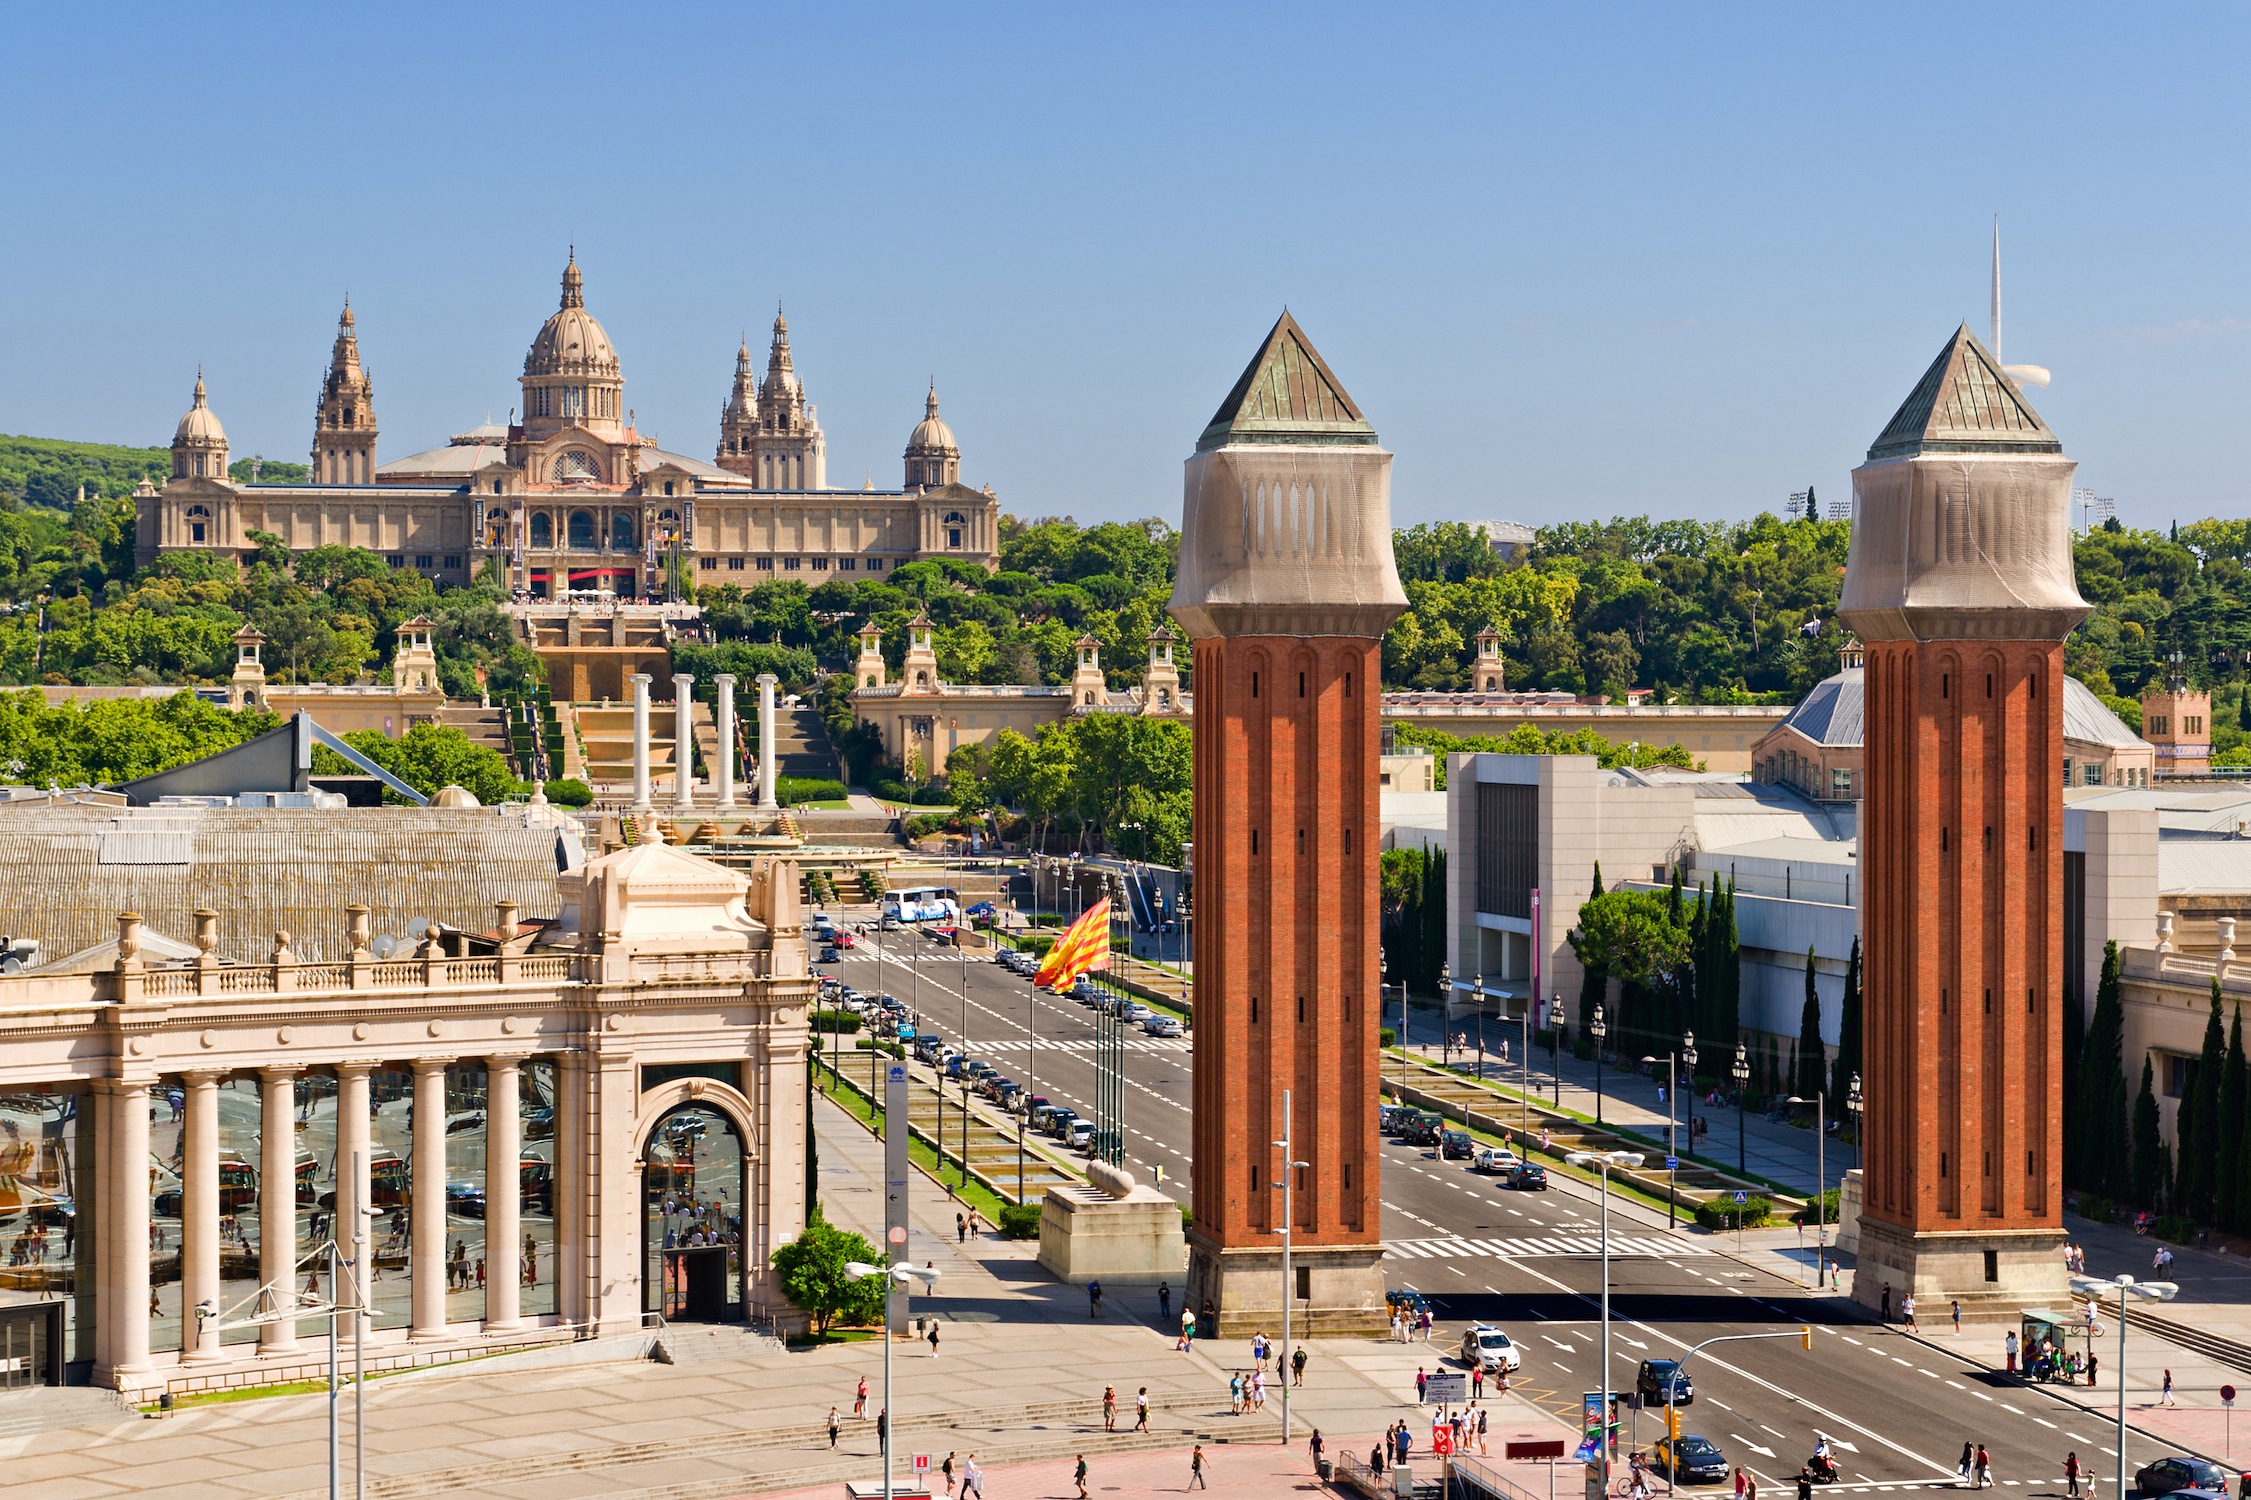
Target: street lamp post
1673, 1060
1290, 1168
2125, 1286
1741, 1071
1445, 1018
1480, 1000
1852, 1107
1603, 1161
1383, 982
1531, 1005
1555, 1045
901, 1273
1598, 1029
1820, 1103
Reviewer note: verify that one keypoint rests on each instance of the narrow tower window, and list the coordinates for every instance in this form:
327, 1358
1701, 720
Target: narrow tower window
1301, 1010
1254, 1009
1301, 684
1943, 685
1254, 841
1254, 684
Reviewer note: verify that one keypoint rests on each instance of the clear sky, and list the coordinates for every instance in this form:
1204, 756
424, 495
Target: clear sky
1571, 260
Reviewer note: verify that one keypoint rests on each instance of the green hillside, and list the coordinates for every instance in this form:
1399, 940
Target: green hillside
49, 471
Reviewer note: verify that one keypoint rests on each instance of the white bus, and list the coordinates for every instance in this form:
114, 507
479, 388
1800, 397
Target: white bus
923, 904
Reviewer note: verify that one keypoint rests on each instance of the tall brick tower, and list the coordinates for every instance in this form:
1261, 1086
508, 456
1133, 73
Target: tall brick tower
1286, 586
1960, 582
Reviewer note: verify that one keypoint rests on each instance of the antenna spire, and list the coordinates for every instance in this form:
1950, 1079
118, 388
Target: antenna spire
1997, 289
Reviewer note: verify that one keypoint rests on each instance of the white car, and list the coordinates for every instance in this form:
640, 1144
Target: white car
1162, 1026
1487, 1346
1494, 1160
1136, 1012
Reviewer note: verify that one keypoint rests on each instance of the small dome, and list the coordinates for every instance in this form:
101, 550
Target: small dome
931, 435
200, 427
570, 342
453, 795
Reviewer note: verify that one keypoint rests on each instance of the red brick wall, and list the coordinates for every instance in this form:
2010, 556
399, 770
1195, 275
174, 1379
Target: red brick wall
1961, 848
1286, 746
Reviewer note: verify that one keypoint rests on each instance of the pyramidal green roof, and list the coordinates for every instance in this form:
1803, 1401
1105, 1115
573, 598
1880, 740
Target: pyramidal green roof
1287, 394
1964, 404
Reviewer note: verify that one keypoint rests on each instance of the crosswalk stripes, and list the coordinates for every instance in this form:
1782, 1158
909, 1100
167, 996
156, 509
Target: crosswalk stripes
1455, 1247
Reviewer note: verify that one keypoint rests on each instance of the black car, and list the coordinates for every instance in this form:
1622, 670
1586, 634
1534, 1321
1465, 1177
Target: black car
1531, 1177
828, 956
1456, 1143
1405, 1301
1693, 1460
2180, 1472
1662, 1382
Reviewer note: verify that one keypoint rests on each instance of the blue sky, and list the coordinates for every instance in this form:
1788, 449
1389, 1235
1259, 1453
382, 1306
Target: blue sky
1572, 261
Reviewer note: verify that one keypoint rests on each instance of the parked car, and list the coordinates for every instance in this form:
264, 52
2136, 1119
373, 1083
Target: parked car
1059, 1122
1456, 1145
1081, 1135
1529, 1177
2177, 1472
1424, 1128
1485, 1345
1494, 1161
1662, 1382
1164, 1026
1134, 1010
1391, 1119
1692, 1460
928, 1046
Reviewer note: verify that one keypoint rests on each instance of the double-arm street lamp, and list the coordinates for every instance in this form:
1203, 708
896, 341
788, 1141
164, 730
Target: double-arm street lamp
2093, 1289
1820, 1103
1598, 1029
893, 1275
1852, 1107
1602, 1162
1741, 1072
1445, 1015
1555, 1044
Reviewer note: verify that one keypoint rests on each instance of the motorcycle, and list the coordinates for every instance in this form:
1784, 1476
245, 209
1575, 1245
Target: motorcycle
1824, 1469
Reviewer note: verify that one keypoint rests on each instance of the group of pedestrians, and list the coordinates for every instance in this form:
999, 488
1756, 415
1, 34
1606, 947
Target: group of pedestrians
1976, 1467
1409, 1323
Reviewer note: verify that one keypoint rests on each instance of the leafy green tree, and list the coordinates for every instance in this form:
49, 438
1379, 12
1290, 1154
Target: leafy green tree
2199, 1127
1811, 1056
114, 739
2235, 1095
811, 1268
2151, 1167
429, 757
1629, 935
1847, 1064
2104, 1162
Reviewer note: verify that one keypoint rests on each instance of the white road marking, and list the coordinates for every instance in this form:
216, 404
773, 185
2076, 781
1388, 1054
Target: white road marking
1746, 1442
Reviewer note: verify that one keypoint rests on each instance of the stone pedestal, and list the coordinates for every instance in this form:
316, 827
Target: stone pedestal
1338, 1291
1848, 1213
1994, 1273
1114, 1230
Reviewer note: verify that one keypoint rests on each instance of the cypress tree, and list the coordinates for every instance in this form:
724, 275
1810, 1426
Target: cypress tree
1696, 982
2149, 1147
1848, 1034
1433, 915
1810, 1067
1594, 985
1729, 988
2108, 1165
1673, 987
2235, 1083
2199, 1132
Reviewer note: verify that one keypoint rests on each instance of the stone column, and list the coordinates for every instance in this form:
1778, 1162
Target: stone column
277, 1199
199, 1214
766, 798
504, 1192
428, 1255
126, 1202
355, 1153
723, 774
683, 742
641, 803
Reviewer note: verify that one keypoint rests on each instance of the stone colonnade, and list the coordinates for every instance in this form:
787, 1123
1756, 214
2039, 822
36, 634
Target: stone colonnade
723, 777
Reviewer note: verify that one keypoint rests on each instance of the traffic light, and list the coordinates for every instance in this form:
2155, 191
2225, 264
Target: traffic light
1805, 1337
1672, 1424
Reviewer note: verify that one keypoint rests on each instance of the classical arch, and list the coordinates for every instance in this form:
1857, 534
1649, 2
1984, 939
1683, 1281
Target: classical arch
698, 1142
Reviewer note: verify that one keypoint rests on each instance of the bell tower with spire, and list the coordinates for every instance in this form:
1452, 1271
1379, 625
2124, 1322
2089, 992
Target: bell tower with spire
789, 452
344, 424
738, 420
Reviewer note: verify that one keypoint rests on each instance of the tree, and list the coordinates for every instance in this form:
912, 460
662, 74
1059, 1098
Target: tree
1631, 936
428, 757
2199, 1127
2149, 1146
1847, 1064
1812, 506
1810, 1052
1594, 985
812, 1275
2107, 1155
2234, 1095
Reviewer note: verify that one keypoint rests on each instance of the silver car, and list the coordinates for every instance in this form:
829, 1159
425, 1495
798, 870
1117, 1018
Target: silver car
1487, 1346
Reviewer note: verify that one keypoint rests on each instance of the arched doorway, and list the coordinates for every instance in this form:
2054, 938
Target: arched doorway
693, 1182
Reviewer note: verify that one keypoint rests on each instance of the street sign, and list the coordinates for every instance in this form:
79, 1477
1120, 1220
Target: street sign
2227, 1395
1526, 1449
1672, 1163
1446, 1386
921, 1463
1742, 1197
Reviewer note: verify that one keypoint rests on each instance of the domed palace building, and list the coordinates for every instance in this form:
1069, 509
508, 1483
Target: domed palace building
570, 497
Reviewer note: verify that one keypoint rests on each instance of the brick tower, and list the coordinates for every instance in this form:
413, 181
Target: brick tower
1960, 582
1286, 586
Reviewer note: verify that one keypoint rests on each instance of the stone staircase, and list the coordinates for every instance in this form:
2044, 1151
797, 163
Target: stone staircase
801, 744
713, 1343
484, 726
50, 1408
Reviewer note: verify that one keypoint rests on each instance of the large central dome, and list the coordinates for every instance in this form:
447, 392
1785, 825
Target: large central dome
570, 342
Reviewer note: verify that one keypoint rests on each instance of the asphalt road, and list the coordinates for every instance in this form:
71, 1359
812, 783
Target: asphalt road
1898, 1409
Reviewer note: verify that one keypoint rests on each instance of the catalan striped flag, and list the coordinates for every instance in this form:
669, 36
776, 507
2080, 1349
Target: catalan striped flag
1085, 946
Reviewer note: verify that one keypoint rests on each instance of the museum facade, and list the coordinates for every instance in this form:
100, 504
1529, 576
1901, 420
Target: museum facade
569, 496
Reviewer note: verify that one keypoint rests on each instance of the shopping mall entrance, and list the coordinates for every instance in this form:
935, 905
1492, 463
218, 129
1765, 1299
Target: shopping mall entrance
691, 1223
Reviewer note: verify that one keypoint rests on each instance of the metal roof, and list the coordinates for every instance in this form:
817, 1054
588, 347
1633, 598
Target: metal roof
1964, 404
1834, 713
1286, 394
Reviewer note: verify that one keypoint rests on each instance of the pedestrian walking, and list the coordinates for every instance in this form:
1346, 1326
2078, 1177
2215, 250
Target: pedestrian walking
1297, 1365
1740, 1482
2091, 1362
1907, 1312
860, 1401
1080, 1477
1109, 1408
1094, 1299
1258, 1390
947, 1469
1196, 1470
1482, 1414
1422, 1383
2071, 1475
1477, 1381
1885, 1315
2009, 1350
2165, 1397
1984, 1468
972, 1479
1187, 1330
1957, 1318
961, 1229
1315, 1447
1426, 1322
833, 1429
1967, 1468
933, 1326
883, 1429
1235, 1394
1141, 1410
1805, 1483
1164, 1302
